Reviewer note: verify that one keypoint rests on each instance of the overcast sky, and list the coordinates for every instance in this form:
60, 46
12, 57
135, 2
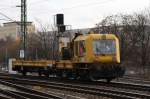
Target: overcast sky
78, 13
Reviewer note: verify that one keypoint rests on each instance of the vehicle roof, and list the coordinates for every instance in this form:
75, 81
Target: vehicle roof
95, 36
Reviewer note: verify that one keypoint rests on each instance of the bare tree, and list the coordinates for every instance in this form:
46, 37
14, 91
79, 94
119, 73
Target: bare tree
134, 34
113, 24
41, 43
9, 49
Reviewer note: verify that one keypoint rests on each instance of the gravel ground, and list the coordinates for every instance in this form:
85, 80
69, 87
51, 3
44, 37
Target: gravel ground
68, 94
7, 88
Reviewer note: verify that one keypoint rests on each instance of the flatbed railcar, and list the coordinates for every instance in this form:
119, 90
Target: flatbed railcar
90, 56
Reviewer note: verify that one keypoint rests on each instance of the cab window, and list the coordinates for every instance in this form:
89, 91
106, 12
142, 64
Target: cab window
104, 47
81, 49
76, 48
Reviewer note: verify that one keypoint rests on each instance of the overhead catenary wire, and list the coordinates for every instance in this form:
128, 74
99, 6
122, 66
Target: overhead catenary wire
4, 7
8, 5
10, 8
33, 12
88, 4
62, 9
75, 6
37, 2
7, 17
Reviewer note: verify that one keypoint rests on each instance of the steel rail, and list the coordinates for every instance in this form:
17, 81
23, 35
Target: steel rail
83, 89
113, 84
11, 94
125, 85
33, 94
2, 96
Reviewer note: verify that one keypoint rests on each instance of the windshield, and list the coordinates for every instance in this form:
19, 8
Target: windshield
104, 47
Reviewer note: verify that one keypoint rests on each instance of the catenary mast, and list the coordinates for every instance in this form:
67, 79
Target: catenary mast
23, 49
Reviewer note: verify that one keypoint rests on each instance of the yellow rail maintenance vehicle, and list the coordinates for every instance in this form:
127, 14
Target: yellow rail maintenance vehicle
91, 56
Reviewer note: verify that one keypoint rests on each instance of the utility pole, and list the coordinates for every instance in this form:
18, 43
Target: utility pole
6, 59
23, 51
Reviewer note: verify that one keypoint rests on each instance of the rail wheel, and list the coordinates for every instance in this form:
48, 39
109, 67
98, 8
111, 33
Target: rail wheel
59, 74
39, 73
92, 76
84, 75
109, 80
24, 73
73, 76
46, 73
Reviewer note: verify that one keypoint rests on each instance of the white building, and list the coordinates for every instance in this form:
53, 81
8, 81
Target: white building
13, 29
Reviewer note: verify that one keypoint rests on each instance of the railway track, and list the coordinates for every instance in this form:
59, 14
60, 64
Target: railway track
18, 95
118, 84
134, 79
22, 92
126, 78
112, 90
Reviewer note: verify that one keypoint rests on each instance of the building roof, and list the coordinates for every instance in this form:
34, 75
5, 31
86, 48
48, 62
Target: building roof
16, 22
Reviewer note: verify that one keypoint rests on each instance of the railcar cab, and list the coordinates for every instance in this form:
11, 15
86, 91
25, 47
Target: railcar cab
80, 49
103, 48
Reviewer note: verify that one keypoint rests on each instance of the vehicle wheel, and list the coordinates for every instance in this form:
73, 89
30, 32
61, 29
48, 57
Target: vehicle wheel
92, 77
46, 74
85, 77
108, 80
39, 73
24, 73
